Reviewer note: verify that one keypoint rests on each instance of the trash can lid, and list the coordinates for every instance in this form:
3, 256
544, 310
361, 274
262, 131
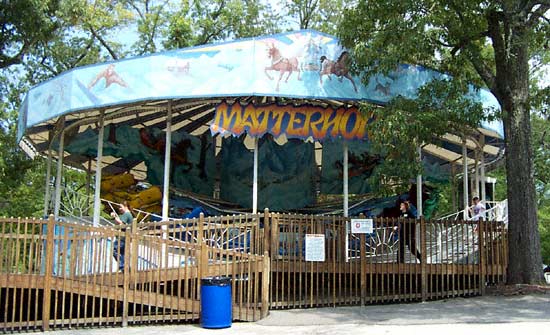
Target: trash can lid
216, 281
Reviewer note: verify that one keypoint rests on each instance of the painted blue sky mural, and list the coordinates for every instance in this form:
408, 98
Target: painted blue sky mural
302, 64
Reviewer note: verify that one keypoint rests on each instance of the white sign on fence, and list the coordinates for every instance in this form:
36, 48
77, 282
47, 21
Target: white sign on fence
315, 247
361, 226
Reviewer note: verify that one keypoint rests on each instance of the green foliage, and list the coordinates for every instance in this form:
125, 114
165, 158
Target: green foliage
199, 21
541, 156
322, 15
501, 191
404, 124
544, 230
151, 19
25, 24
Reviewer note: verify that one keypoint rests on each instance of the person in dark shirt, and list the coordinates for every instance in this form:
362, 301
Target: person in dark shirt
125, 218
407, 233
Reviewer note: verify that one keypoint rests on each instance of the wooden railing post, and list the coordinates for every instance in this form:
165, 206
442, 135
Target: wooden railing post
134, 240
274, 236
48, 273
363, 259
267, 234
423, 260
202, 256
128, 246
266, 275
482, 260
363, 264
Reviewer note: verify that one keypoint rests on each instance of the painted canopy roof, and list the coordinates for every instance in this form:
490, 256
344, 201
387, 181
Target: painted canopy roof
302, 65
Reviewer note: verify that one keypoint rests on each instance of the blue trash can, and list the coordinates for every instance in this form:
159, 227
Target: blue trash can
216, 306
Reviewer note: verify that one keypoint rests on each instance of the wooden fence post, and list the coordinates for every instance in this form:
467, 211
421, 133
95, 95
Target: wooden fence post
267, 234
266, 274
48, 273
274, 236
482, 260
363, 259
202, 253
128, 246
424, 259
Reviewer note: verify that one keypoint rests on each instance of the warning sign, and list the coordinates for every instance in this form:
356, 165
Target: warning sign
315, 247
362, 226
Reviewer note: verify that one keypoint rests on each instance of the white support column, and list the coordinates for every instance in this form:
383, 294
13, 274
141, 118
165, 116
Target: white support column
345, 179
476, 175
482, 170
255, 179
465, 177
59, 175
419, 207
48, 188
88, 181
166, 184
453, 188
167, 155
97, 190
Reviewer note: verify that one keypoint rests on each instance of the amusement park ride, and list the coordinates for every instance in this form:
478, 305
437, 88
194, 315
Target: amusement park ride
226, 129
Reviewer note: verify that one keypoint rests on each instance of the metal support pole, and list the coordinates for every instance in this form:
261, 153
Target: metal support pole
97, 190
59, 175
419, 208
465, 177
167, 154
48, 188
88, 181
345, 179
482, 170
255, 179
453, 187
476, 175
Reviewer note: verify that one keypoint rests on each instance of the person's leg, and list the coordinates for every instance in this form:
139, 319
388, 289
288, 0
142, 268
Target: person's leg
402, 242
121, 256
412, 245
116, 253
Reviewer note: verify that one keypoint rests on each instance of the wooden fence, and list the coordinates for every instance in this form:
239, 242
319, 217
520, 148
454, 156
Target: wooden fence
59, 275
453, 258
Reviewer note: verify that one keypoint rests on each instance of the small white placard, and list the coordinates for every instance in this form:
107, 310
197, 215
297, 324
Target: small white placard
315, 247
361, 226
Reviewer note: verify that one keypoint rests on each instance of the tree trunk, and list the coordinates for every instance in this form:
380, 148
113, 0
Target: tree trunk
525, 261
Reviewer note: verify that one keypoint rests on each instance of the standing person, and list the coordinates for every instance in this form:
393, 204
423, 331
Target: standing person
125, 218
477, 211
407, 233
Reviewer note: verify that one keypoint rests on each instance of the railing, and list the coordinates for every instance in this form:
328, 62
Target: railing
58, 275
496, 211
379, 267
78, 206
243, 233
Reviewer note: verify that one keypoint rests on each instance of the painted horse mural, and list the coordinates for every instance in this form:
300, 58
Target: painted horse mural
281, 64
339, 68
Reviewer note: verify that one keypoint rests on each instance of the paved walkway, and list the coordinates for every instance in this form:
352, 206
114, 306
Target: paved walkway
518, 315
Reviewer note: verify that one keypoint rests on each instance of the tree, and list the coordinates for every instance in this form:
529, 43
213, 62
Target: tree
47, 40
322, 15
487, 42
21, 33
151, 20
200, 22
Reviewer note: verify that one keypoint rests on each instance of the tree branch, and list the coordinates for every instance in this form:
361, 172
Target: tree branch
81, 57
103, 42
136, 8
6, 61
538, 14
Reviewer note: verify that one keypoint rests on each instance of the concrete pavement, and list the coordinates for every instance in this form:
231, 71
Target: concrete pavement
529, 314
